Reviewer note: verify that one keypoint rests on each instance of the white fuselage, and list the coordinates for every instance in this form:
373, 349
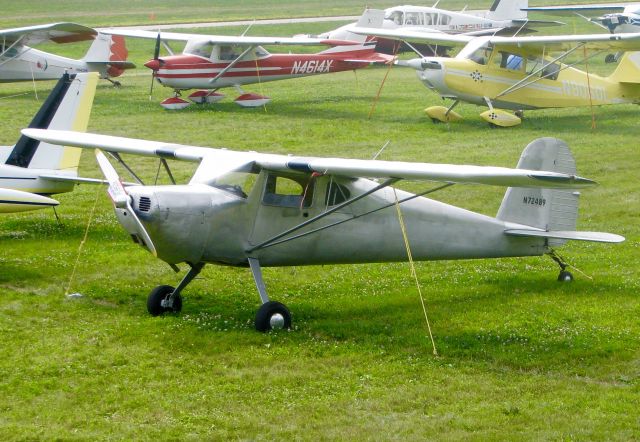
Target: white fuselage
26, 63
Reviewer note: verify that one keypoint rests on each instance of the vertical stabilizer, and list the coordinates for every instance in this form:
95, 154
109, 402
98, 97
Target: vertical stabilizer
543, 208
508, 9
67, 107
628, 70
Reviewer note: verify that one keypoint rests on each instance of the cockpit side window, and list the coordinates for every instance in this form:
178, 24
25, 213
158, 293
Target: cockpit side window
413, 19
336, 194
397, 17
201, 49
482, 54
508, 60
285, 191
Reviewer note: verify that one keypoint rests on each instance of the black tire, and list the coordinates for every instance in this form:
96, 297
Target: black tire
565, 276
157, 295
267, 315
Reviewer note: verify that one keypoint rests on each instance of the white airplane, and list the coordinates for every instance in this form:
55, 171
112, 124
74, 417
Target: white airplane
616, 18
31, 170
20, 62
504, 17
248, 209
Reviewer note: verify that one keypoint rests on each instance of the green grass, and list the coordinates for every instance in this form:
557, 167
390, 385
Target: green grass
520, 356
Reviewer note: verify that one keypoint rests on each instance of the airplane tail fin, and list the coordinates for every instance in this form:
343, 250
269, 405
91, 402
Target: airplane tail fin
111, 52
371, 18
508, 9
67, 108
547, 209
628, 70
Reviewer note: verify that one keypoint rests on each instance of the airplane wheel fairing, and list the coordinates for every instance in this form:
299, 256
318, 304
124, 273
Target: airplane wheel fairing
159, 294
272, 315
565, 276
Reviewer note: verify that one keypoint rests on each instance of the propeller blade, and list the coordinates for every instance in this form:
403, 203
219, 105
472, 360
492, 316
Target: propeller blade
121, 199
156, 56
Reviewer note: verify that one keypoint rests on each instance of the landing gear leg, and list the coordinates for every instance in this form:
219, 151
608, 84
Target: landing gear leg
114, 82
165, 298
565, 275
271, 315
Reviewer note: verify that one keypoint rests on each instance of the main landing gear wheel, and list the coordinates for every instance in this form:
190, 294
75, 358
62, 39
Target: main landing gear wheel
273, 315
160, 301
565, 276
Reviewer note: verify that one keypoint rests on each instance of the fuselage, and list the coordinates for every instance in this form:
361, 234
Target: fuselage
224, 225
24, 63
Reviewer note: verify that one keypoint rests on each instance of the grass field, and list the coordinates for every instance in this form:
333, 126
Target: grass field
520, 356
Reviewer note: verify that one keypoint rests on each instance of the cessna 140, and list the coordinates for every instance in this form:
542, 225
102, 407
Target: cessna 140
19, 62
30, 169
505, 16
521, 73
249, 209
211, 62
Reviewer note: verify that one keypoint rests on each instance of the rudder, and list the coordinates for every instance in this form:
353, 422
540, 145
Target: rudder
551, 210
67, 107
508, 9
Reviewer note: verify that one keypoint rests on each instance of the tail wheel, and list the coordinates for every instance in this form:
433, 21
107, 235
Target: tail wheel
273, 315
565, 276
159, 301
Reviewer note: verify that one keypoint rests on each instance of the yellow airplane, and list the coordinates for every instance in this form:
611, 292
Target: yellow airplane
520, 73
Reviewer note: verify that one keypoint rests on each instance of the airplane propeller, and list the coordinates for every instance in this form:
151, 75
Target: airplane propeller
154, 64
122, 200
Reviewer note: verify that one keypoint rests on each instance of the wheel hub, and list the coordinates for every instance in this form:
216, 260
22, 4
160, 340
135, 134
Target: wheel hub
276, 321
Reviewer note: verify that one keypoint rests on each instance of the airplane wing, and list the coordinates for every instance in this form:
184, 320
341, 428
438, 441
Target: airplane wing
466, 174
585, 10
56, 32
415, 36
615, 42
227, 39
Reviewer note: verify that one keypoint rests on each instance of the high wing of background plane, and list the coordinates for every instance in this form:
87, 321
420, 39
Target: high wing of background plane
21, 62
249, 209
210, 62
616, 18
55, 32
518, 73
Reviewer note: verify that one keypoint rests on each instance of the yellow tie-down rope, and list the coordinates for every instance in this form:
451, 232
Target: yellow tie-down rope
413, 270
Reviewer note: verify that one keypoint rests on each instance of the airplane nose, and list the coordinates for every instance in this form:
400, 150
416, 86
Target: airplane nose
154, 64
413, 63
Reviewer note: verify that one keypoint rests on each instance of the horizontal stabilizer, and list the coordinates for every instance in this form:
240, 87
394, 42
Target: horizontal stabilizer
569, 235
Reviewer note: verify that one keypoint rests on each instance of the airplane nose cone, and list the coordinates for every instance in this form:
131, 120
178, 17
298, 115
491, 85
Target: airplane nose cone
154, 64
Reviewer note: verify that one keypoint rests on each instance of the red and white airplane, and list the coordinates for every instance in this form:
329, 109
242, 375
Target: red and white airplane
211, 62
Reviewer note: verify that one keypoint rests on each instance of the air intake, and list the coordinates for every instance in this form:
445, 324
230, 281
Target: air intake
144, 205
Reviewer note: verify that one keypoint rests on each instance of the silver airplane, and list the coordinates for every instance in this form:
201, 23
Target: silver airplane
248, 209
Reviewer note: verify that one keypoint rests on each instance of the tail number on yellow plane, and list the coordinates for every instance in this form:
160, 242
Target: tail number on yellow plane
583, 91
311, 67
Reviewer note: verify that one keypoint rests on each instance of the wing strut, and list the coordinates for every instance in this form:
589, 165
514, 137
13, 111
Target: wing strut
232, 64
354, 217
119, 159
264, 244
